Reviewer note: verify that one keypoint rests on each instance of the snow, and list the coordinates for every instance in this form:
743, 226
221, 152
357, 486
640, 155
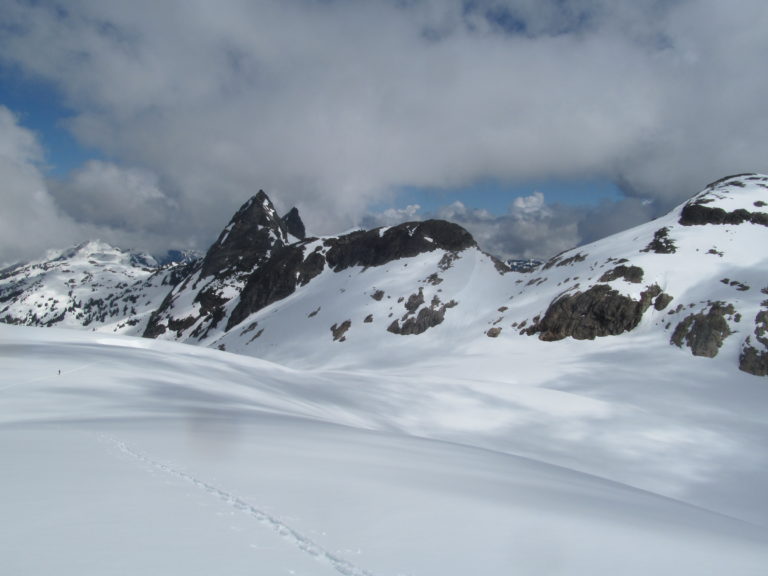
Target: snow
91, 285
443, 453
154, 457
225, 233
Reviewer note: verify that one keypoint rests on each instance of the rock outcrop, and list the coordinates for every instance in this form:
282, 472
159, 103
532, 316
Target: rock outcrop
598, 311
696, 212
632, 274
381, 245
754, 357
704, 332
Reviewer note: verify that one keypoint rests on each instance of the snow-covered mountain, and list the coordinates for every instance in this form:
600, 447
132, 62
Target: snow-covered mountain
92, 285
694, 278
415, 408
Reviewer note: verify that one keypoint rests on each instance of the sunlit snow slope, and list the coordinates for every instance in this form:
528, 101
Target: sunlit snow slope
147, 457
694, 278
93, 286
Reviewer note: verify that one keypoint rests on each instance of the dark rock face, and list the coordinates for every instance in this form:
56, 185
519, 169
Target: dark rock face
414, 301
426, 318
287, 268
753, 360
704, 333
696, 214
599, 311
212, 308
632, 274
338, 330
248, 238
558, 260
662, 301
661, 243
275, 279
375, 248
294, 225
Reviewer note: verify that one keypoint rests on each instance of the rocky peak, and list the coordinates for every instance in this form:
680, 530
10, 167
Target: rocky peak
381, 245
292, 266
248, 239
294, 224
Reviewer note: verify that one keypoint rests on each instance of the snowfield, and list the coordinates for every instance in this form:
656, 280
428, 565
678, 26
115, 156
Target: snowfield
619, 456
427, 413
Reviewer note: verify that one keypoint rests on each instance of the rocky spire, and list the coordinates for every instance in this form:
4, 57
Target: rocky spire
294, 225
249, 238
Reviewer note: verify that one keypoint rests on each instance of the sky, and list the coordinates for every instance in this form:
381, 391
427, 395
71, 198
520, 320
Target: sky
537, 124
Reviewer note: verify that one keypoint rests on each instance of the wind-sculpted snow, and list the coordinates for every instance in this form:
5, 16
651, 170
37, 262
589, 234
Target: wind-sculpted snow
148, 457
402, 417
297, 539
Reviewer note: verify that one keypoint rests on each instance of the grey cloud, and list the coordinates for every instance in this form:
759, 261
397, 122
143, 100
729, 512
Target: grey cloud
612, 217
330, 105
531, 228
30, 221
123, 207
104, 194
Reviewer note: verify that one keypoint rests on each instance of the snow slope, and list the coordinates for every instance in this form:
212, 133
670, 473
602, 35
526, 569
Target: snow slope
354, 433
684, 271
694, 279
92, 285
160, 458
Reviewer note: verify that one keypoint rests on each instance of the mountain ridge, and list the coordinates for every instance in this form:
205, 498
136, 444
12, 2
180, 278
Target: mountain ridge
694, 276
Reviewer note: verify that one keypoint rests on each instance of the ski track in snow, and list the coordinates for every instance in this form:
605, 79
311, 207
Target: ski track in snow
291, 535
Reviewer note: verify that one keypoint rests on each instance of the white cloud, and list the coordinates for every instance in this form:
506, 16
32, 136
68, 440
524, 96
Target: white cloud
527, 205
104, 194
329, 105
30, 222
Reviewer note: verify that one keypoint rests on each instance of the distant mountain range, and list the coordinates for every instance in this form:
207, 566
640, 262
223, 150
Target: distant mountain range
697, 277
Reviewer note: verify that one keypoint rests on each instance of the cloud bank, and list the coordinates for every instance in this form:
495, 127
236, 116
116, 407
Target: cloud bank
333, 105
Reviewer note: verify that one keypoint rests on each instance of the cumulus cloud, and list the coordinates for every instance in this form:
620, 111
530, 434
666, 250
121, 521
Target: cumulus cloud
330, 105
104, 194
121, 206
392, 216
530, 229
529, 204
31, 222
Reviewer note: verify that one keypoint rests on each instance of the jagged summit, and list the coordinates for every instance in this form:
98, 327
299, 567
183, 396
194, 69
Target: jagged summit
261, 258
294, 225
694, 279
251, 234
